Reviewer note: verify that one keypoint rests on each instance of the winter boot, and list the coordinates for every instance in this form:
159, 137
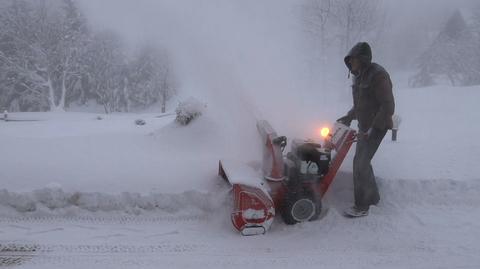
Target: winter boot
356, 212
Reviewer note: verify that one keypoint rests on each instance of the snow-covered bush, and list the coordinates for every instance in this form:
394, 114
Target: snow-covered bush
20, 202
189, 110
52, 197
140, 122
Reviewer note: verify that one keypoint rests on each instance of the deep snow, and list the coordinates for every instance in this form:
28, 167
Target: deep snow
81, 192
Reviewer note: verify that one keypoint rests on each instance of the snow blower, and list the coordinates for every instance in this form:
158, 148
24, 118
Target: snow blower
292, 185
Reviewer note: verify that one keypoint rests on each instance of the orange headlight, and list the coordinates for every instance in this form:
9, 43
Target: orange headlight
325, 132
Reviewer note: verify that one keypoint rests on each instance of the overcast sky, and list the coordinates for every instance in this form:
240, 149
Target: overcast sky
144, 18
223, 25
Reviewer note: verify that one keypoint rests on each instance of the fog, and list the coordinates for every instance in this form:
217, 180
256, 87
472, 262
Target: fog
253, 57
233, 55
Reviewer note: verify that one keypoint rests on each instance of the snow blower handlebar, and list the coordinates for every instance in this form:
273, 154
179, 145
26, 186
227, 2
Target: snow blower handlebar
341, 140
342, 134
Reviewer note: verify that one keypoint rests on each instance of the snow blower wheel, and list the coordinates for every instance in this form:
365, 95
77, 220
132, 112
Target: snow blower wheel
300, 208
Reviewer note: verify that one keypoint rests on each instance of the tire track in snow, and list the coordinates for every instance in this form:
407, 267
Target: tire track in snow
232, 258
31, 249
98, 220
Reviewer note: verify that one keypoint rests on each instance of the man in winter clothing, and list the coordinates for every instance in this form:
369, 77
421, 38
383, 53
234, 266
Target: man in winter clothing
373, 107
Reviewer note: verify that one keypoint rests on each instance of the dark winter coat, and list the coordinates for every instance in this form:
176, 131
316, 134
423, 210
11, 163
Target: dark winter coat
373, 102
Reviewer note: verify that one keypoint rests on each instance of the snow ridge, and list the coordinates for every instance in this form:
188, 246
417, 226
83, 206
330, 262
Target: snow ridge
57, 202
54, 201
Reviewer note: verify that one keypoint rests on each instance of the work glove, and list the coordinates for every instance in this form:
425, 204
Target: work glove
346, 120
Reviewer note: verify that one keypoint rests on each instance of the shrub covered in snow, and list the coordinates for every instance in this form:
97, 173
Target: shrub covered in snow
18, 201
189, 110
140, 122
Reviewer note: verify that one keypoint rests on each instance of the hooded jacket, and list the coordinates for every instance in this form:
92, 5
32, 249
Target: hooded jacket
373, 101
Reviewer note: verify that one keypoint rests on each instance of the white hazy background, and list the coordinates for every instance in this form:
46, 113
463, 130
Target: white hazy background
251, 59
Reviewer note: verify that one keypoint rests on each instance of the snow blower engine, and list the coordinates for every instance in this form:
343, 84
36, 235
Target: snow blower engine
292, 185
306, 164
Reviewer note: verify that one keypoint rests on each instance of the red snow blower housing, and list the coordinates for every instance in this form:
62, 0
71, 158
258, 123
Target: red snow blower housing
292, 185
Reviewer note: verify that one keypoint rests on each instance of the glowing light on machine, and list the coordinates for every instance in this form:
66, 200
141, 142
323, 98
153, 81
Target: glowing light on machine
324, 132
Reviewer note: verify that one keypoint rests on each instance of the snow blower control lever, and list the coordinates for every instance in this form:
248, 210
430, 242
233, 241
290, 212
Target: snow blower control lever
280, 141
292, 185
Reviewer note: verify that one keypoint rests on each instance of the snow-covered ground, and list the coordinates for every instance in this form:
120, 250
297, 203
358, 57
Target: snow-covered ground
77, 191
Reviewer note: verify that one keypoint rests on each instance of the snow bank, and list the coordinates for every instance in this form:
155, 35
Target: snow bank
438, 192
395, 194
406, 193
55, 201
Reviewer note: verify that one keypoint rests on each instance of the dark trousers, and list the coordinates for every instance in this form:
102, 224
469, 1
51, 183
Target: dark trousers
364, 184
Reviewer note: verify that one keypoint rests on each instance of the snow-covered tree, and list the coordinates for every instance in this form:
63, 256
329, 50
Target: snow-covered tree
151, 78
43, 47
453, 56
77, 39
22, 80
476, 23
105, 61
357, 20
332, 27
316, 15
49, 58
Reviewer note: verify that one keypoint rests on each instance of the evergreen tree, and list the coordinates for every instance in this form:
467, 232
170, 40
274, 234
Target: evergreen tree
453, 56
